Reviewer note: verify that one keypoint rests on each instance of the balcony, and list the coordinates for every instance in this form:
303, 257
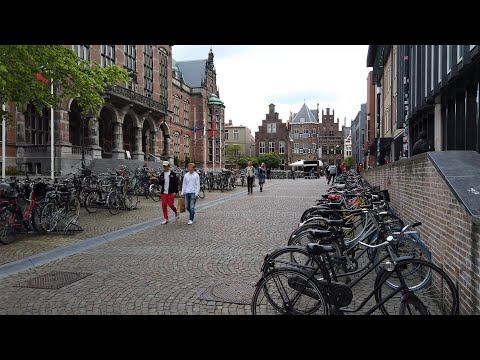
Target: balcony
137, 99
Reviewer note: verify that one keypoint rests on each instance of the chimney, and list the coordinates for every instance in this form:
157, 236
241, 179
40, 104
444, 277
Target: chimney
230, 122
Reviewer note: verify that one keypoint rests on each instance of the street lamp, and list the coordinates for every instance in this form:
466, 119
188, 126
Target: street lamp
336, 152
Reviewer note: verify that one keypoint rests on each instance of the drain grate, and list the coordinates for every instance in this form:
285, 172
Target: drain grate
53, 280
236, 293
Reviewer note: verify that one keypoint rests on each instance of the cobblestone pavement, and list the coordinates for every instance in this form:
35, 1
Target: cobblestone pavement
169, 269
100, 223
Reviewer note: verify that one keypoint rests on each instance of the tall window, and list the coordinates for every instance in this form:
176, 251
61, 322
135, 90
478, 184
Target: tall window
37, 126
176, 144
148, 70
274, 128
440, 55
186, 146
305, 133
176, 110
449, 59
226, 134
82, 51
426, 69
186, 113
261, 147
163, 59
107, 53
271, 146
236, 135
296, 147
281, 147
295, 133
131, 63
459, 53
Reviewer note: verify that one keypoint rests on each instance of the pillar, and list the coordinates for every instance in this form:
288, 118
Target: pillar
117, 151
138, 153
93, 138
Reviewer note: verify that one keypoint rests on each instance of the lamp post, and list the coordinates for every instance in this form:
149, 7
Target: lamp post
336, 152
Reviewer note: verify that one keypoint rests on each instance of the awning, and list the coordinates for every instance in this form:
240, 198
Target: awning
297, 163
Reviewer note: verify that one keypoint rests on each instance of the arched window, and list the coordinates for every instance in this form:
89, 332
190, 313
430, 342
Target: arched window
176, 144
163, 60
37, 126
186, 113
186, 147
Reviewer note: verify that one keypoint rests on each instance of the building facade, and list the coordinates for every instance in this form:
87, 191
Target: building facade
369, 155
273, 136
303, 128
330, 139
238, 135
359, 135
437, 92
151, 117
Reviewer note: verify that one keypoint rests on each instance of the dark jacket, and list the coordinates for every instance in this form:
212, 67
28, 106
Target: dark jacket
420, 146
173, 182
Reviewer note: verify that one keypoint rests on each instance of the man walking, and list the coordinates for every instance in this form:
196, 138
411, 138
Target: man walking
191, 188
332, 170
169, 184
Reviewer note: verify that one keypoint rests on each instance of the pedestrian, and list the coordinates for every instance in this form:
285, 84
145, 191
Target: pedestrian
360, 168
293, 174
342, 167
169, 184
421, 145
327, 173
269, 174
190, 188
332, 169
250, 173
262, 171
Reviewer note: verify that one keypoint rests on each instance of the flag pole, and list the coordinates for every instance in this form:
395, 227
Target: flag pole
52, 149
221, 145
194, 134
3, 141
204, 142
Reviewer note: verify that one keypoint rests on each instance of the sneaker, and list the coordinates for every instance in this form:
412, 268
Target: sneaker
177, 215
190, 222
164, 222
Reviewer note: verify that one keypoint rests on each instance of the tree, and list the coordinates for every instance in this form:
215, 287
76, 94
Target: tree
243, 161
348, 162
271, 160
233, 153
26, 71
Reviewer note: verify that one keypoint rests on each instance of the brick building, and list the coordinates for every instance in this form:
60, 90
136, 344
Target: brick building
273, 136
330, 139
303, 128
153, 115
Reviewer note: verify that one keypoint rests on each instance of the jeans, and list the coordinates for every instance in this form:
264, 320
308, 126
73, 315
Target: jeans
250, 184
167, 199
190, 204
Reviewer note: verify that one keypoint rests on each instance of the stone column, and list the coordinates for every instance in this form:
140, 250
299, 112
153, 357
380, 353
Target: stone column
93, 138
138, 153
117, 151
155, 145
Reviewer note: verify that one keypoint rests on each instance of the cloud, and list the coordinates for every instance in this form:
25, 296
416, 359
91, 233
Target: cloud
250, 77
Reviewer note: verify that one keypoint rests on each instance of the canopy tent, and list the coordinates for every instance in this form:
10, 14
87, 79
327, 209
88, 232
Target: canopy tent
296, 163
309, 163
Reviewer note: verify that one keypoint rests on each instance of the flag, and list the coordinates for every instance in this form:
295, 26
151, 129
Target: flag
195, 124
194, 133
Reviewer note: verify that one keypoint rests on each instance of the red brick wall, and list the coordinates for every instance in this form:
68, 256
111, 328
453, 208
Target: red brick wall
419, 193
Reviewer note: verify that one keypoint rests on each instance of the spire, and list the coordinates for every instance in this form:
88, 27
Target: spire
210, 58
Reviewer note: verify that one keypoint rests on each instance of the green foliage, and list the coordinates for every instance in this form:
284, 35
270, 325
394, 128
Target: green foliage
348, 162
243, 161
233, 153
271, 160
72, 76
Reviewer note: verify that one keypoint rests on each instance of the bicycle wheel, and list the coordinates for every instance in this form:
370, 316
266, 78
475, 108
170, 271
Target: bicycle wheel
72, 212
291, 256
430, 289
288, 291
7, 226
113, 203
50, 217
154, 191
37, 218
93, 201
201, 194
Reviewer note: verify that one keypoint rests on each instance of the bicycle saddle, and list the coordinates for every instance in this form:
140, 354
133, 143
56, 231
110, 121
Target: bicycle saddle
318, 249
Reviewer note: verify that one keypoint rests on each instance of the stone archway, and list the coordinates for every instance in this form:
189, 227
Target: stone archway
106, 125
77, 124
129, 130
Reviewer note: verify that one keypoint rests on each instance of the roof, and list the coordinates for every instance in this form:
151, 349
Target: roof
193, 71
372, 52
306, 114
213, 99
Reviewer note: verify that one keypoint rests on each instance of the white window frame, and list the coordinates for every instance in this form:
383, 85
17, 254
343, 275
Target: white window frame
274, 128
271, 145
449, 59
261, 147
226, 135
459, 53
281, 147
432, 63
236, 134
440, 54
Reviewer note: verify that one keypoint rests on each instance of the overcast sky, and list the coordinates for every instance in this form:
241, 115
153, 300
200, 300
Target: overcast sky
250, 77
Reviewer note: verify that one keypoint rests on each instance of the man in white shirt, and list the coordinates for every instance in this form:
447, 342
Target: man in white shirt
191, 188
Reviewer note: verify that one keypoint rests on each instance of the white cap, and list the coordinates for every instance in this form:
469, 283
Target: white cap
166, 163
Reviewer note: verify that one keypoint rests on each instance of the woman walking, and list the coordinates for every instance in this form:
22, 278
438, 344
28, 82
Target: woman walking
169, 184
250, 172
262, 171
